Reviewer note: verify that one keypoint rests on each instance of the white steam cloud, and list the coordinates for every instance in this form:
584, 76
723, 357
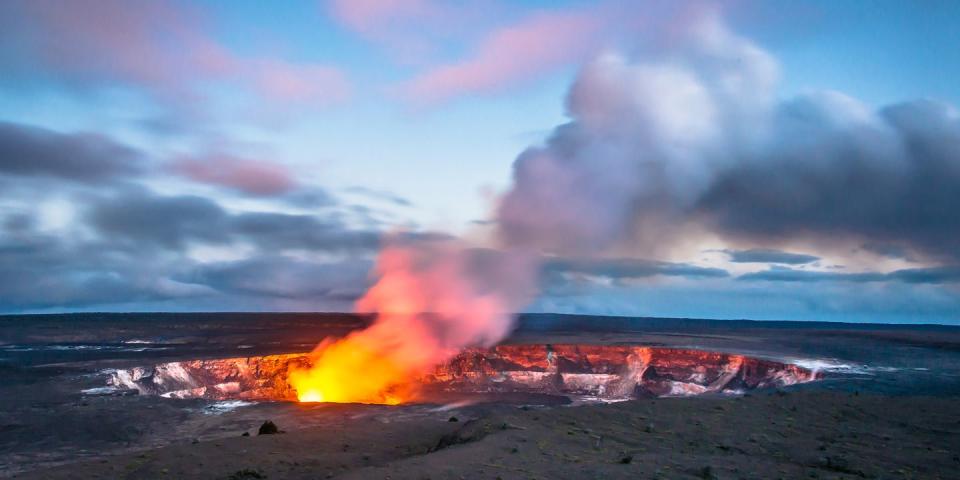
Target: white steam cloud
695, 137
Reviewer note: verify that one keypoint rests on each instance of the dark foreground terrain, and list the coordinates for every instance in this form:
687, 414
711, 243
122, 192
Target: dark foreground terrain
884, 405
774, 435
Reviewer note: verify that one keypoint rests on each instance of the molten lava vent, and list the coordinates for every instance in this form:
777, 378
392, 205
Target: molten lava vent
590, 371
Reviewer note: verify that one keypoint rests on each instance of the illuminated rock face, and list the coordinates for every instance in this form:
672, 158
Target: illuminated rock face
611, 371
599, 371
247, 378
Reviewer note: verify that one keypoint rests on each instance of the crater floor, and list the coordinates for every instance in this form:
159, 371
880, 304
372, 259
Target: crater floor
602, 372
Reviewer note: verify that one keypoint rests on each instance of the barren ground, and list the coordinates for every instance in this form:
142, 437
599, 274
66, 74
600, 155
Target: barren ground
812, 434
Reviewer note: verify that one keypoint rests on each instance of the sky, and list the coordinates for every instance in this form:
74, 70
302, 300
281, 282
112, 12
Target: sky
762, 160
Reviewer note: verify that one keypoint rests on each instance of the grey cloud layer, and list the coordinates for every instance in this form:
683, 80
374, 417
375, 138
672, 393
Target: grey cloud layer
827, 300
627, 268
284, 277
764, 255
139, 254
892, 176
39, 271
172, 222
27, 151
381, 195
125, 244
150, 220
933, 275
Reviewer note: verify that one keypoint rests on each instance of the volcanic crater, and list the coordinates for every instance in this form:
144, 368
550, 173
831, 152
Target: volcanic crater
600, 372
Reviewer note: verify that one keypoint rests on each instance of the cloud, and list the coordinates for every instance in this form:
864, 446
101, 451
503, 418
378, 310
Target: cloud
414, 32
627, 268
162, 48
281, 231
86, 231
888, 250
39, 271
27, 151
872, 302
469, 49
933, 275
763, 255
148, 220
382, 195
285, 277
18, 223
369, 16
133, 247
642, 145
174, 222
43, 271
835, 169
946, 274
693, 139
253, 177
70, 38
290, 84
540, 44
310, 197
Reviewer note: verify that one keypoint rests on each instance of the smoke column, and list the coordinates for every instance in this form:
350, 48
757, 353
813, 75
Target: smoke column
643, 142
432, 298
690, 138
694, 139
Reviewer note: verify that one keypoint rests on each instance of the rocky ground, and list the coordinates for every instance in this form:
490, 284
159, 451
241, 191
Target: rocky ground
810, 434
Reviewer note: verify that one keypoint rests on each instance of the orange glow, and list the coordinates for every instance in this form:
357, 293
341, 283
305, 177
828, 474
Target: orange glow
349, 371
380, 363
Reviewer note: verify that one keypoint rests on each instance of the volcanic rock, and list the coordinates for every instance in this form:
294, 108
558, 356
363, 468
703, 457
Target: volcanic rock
246, 474
471, 431
597, 371
268, 428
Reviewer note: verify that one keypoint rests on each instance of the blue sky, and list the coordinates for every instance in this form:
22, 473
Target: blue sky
339, 122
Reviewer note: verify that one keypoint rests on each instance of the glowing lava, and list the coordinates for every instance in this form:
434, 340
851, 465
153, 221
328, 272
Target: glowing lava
468, 293
349, 371
609, 372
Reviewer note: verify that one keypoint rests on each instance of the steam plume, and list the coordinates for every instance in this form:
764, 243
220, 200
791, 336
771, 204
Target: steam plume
693, 137
432, 299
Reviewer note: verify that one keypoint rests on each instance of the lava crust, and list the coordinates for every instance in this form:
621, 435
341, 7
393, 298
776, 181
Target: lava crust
605, 372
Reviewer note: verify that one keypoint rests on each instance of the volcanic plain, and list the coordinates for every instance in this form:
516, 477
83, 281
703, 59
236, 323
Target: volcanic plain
866, 415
